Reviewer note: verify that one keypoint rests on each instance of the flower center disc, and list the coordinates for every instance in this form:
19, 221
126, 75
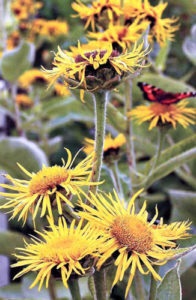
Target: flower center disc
130, 231
159, 108
47, 179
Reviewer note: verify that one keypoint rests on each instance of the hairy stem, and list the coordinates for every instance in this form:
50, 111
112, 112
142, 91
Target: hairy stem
100, 104
153, 286
74, 289
100, 285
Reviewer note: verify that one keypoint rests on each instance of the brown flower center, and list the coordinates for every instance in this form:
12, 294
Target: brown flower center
47, 179
132, 232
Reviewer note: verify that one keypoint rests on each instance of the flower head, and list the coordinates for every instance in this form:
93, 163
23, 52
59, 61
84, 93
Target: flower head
163, 114
136, 242
50, 187
48, 28
121, 36
111, 147
95, 66
33, 76
66, 251
160, 28
23, 9
99, 13
23, 100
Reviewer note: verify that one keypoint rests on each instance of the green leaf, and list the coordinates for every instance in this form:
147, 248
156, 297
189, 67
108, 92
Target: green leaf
170, 287
171, 158
187, 261
15, 62
184, 205
9, 241
15, 150
189, 45
161, 58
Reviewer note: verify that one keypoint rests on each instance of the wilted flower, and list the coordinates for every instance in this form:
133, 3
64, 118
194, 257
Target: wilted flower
95, 66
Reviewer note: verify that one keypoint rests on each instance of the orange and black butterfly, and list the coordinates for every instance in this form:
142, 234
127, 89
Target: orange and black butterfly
155, 94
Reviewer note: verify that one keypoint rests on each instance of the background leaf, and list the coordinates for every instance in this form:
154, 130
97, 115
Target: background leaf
15, 150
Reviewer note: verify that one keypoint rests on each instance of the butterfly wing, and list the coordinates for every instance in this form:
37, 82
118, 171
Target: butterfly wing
155, 94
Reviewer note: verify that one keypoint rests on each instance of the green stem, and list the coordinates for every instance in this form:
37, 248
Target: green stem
153, 285
17, 111
129, 131
122, 16
51, 289
100, 104
113, 168
100, 285
160, 140
3, 35
74, 289
139, 286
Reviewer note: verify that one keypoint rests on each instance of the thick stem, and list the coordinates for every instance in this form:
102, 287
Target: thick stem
74, 289
17, 111
129, 131
113, 168
100, 104
139, 286
153, 285
51, 289
160, 140
100, 285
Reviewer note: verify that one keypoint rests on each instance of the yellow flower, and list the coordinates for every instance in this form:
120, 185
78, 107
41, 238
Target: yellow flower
136, 242
163, 114
33, 76
49, 28
123, 36
65, 251
111, 145
50, 187
99, 13
95, 66
23, 9
13, 40
23, 100
161, 28
61, 90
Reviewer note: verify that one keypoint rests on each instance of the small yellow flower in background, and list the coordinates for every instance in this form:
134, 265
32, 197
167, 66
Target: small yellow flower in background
49, 28
48, 188
13, 40
99, 13
161, 28
33, 76
111, 147
23, 9
61, 90
124, 36
67, 251
23, 100
95, 66
138, 243
161, 114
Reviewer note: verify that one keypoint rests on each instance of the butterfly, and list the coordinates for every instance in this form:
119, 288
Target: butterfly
155, 94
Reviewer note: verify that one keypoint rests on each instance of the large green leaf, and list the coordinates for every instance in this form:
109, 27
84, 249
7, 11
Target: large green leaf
170, 287
15, 150
15, 62
184, 205
9, 241
171, 158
